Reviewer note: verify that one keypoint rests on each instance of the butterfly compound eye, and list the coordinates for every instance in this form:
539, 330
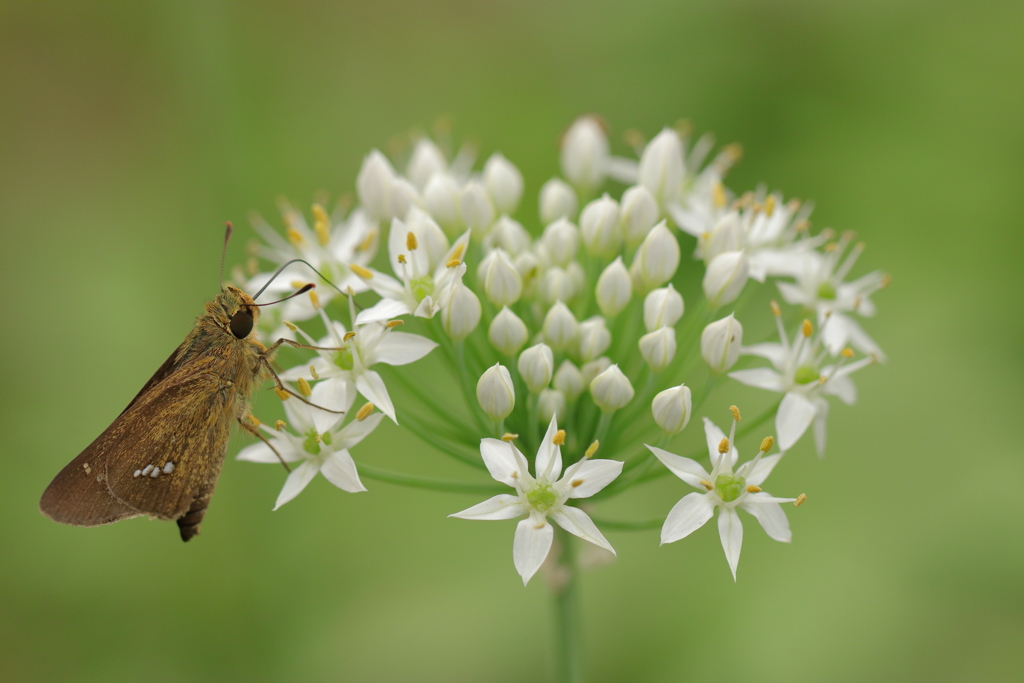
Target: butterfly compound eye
241, 324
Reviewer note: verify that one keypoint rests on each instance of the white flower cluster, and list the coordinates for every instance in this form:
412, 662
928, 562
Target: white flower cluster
577, 321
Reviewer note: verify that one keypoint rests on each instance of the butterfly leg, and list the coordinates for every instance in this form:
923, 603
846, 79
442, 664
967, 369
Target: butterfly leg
297, 345
280, 385
254, 430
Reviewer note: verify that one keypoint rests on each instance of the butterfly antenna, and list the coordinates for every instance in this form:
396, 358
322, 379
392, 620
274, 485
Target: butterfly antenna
281, 269
224, 251
305, 288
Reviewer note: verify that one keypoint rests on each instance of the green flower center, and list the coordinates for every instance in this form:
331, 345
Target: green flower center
311, 445
541, 497
343, 358
729, 487
806, 374
326, 438
422, 287
826, 291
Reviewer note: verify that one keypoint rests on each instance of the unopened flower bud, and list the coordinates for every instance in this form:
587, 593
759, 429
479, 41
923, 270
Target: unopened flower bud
638, 214
594, 338
594, 368
561, 239
536, 365
507, 332
496, 393
510, 235
585, 154
441, 197
504, 183
599, 227
672, 409
373, 184
403, 197
725, 277
550, 403
476, 208
426, 162
611, 390
461, 312
560, 328
501, 281
656, 260
658, 348
720, 343
663, 307
614, 288
661, 167
557, 200
569, 380
557, 285
727, 235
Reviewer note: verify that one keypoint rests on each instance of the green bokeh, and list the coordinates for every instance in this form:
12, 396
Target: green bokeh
130, 131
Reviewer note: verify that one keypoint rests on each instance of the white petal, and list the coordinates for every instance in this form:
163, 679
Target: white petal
292, 374
549, 456
689, 514
504, 506
332, 393
385, 285
776, 353
762, 469
686, 469
578, 523
769, 513
533, 541
261, 452
794, 417
731, 531
370, 385
714, 437
835, 332
819, 425
841, 386
339, 469
592, 475
400, 348
863, 343
355, 431
385, 309
762, 378
296, 481
793, 294
504, 461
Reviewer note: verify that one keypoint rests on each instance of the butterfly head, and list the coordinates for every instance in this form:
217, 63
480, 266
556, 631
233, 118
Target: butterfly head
235, 311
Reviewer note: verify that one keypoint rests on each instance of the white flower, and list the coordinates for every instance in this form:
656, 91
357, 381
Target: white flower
594, 338
661, 167
656, 259
504, 183
441, 197
374, 185
475, 207
585, 154
501, 281
662, 308
560, 328
508, 234
671, 409
658, 348
599, 226
614, 288
801, 375
495, 392
725, 278
638, 214
460, 310
536, 365
319, 450
725, 490
820, 287
569, 380
611, 389
427, 161
557, 200
720, 343
560, 240
507, 332
550, 403
542, 496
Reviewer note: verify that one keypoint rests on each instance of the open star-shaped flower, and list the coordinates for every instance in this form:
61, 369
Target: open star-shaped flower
543, 496
726, 490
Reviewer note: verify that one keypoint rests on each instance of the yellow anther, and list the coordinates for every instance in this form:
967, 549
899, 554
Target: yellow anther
360, 271
861, 246
828, 233
735, 413
753, 489
830, 247
392, 324
886, 280
314, 298
575, 482
304, 388
634, 138
282, 394
874, 358
322, 225
684, 127
847, 352
767, 443
368, 242
402, 259
723, 445
718, 195
793, 205
800, 499
734, 151
592, 449
807, 328
297, 284
364, 412
312, 372
252, 266
280, 425
410, 241
559, 438
706, 484
295, 237
769, 205
348, 336
453, 263
253, 420
802, 225
822, 379
540, 526
776, 311
291, 326
457, 253
509, 436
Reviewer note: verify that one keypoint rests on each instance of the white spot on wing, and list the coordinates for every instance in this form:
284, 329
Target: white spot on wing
146, 471
168, 467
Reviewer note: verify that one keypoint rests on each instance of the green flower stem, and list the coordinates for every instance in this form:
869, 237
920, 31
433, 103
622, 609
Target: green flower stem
468, 388
567, 614
431, 403
619, 525
430, 483
602, 427
532, 431
458, 450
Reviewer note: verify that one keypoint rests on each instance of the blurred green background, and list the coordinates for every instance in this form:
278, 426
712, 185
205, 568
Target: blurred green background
129, 131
